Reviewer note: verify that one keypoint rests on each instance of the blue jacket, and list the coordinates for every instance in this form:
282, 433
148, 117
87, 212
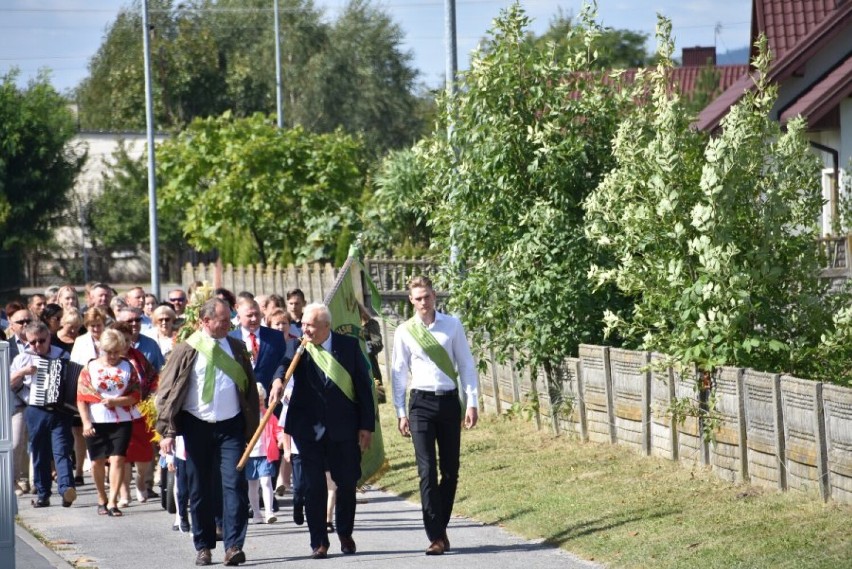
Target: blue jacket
272, 348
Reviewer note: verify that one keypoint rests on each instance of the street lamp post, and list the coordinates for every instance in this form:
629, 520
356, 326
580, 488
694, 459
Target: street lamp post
278, 95
152, 179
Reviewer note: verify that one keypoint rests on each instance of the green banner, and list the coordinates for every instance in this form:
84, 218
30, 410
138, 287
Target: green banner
346, 320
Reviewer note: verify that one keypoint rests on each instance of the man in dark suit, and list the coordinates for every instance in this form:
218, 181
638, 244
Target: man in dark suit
331, 418
266, 346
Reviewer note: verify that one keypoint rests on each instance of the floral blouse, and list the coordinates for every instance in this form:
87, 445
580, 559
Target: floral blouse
98, 382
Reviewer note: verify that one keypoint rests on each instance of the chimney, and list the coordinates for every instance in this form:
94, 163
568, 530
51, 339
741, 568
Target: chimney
698, 56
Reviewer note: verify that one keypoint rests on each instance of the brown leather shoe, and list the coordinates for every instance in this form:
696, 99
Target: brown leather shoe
203, 557
347, 545
437, 547
446, 541
320, 552
234, 556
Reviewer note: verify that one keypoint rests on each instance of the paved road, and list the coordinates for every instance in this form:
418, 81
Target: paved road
388, 532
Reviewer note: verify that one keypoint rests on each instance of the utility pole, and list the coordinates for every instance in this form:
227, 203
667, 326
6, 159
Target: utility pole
278, 100
451, 68
152, 179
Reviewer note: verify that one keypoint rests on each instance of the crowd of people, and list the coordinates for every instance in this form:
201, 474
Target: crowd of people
210, 391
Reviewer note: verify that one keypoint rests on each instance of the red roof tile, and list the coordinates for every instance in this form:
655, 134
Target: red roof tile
786, 22
786, 61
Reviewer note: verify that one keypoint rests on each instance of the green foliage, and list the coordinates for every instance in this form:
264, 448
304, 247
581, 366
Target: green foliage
706, 89
118, 216
716, 239
362, 81
614, 49
395, 214
211, 56
530, 140
288, 192
37, 164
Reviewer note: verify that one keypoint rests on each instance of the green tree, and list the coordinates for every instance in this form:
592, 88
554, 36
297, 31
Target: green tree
716, 239
395, 213
211, 56
37, 164
530, 140
289, 192
118, 218
363, 81
615, 48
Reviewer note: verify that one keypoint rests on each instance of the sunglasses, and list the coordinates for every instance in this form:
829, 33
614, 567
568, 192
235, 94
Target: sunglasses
23, 322
178, 299
38, 342
136, 320
164, 320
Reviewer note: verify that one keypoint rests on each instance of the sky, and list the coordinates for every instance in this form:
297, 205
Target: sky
63, 35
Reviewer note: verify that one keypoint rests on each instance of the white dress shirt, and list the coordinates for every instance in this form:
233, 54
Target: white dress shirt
225, 404
409, 357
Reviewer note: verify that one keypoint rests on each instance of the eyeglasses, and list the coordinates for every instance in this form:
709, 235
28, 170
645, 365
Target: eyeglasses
23, 322
136, 320
178, 299
38, 341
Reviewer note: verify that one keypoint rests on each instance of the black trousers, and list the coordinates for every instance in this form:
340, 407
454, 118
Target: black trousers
343, 460
436, 420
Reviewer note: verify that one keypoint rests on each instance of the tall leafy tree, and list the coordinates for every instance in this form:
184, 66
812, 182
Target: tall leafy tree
396, 208
212, 56
715, 238
289, 192
117, 214
37, 164
530, 140
363, 81
615, 48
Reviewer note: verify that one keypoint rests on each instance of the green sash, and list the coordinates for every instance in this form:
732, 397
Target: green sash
217, 358
433, 349
332, 368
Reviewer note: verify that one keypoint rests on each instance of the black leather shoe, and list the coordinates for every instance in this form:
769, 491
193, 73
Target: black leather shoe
298, 515
234, 556
203, 557
184, 524
320, 552
40, 502
446, 541
347, 545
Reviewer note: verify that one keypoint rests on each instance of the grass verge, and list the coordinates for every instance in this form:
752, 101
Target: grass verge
608, 504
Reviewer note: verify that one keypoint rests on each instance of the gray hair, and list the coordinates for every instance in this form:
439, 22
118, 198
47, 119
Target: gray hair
133, 309
36, 327
208, 309
321, 310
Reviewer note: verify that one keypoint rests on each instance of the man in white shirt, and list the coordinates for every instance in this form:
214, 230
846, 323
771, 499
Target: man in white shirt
433, 349
208, 394
135, 298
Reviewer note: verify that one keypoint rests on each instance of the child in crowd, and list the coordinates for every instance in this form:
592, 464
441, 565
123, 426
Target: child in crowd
260, 468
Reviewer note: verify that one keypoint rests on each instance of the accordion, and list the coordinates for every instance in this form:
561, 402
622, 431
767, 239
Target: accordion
55, 385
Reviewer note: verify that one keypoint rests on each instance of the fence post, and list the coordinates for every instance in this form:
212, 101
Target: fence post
646, 406
822, 446
780, 442
495, 383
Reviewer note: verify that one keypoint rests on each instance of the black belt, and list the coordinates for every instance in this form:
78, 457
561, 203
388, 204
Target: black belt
453, 392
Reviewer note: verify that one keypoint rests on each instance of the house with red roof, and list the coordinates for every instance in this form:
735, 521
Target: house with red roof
811, 46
